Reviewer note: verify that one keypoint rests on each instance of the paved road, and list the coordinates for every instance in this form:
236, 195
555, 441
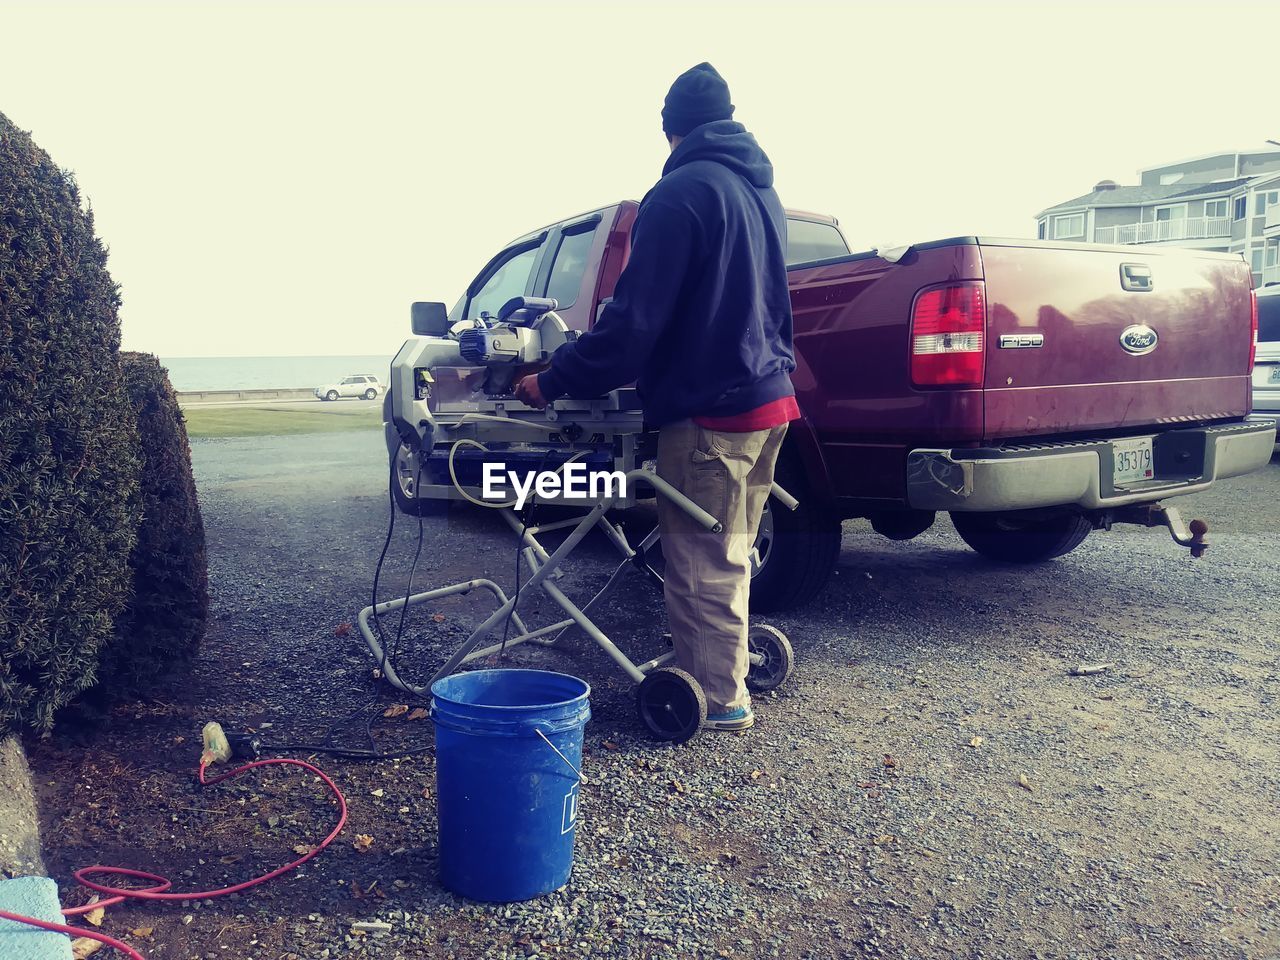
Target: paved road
932, 784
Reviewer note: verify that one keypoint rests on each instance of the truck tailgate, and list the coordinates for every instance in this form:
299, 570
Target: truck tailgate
1056, 318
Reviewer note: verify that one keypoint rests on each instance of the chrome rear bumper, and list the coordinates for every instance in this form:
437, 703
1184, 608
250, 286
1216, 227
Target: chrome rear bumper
1078, 473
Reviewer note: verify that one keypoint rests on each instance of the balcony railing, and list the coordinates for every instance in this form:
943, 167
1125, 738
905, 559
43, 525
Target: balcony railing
1273, 217
1270, 275
1153, 231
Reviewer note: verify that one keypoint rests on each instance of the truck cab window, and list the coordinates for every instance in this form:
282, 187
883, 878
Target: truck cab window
511, 279
569, 266
807, 240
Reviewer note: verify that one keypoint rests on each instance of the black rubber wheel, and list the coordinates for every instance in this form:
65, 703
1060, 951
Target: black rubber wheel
402, 487
1009, 538
779, 659
371, 394
331, 395
671, 704
797, 548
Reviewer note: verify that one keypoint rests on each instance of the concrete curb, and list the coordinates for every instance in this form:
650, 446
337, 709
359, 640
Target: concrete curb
244, 396
19, 823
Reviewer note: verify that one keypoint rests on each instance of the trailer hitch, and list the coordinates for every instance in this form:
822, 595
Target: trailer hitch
1193, 535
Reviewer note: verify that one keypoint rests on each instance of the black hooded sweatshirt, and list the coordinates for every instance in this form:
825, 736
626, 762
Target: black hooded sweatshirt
701, 316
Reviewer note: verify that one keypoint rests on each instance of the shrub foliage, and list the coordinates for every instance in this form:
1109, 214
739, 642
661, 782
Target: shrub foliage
163, 623
68, 446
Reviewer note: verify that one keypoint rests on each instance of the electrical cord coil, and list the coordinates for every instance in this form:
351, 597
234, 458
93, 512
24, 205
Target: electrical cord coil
161, 887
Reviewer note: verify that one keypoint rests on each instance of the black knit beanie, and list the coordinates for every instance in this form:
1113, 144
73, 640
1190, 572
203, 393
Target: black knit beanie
698, 96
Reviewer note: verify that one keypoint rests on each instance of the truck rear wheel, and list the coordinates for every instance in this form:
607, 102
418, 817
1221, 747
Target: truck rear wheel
1013, 539
797, 549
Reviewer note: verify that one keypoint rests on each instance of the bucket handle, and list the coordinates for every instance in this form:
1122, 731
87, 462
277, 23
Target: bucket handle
581, 779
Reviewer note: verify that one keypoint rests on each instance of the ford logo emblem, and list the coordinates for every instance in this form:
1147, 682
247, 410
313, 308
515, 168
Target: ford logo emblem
1139, 339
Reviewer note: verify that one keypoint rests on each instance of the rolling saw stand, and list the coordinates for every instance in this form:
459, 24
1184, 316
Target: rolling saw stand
670, 702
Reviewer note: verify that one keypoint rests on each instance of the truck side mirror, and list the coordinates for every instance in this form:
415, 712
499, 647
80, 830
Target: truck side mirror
429, 319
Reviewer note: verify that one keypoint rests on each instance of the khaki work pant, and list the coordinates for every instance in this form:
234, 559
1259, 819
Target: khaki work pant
708, 575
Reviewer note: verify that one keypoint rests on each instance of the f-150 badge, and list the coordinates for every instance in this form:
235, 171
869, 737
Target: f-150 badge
1139, 339
1021, 341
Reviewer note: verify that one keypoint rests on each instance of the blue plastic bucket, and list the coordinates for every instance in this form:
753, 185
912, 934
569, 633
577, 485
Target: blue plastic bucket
507, 801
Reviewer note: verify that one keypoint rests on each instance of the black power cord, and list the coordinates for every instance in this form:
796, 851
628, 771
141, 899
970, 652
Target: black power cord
390, 651
370, 710
526, 521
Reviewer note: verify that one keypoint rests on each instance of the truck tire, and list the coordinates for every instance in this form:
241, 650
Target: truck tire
798, 548
1006, 537
405, 501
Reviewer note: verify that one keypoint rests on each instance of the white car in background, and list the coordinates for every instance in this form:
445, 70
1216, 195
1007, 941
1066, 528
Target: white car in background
364, 386
1266, 369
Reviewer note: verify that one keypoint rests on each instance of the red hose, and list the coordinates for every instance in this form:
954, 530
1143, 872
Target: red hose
161, 885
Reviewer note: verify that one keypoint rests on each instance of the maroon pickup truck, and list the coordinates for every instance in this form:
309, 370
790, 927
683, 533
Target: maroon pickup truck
1035, 391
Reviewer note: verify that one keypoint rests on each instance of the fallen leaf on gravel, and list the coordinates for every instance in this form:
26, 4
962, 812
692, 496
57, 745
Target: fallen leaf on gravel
302, 849
610, 745
426, 793
975, 742
438, 617
1024, 783
83, 947
363, 842
883, 839
143, 931
677, 786
399, 710
866, 784
757, 774
342, 629
95, 916
377, 793
231, 858
889, 761
417, 713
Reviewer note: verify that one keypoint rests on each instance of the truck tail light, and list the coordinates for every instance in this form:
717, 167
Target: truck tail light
1253, 324
948, 336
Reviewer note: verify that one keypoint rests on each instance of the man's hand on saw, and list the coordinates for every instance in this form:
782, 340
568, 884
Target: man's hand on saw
528, 391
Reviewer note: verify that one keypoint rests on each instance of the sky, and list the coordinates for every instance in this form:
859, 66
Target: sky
286, 178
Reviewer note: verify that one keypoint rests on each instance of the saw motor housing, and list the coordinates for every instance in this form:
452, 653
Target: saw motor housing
527, 332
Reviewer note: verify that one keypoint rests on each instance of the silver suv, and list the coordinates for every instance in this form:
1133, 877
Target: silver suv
362, 386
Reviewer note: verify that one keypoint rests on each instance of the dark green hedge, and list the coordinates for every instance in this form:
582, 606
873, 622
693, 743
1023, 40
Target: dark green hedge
69, 506
164, 621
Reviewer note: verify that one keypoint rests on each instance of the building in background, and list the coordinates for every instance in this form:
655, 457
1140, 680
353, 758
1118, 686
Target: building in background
1222, 201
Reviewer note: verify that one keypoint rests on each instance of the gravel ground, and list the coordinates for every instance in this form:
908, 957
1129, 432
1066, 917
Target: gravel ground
931, 783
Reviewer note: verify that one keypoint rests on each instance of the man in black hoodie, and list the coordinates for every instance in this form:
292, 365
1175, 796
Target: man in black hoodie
701, 321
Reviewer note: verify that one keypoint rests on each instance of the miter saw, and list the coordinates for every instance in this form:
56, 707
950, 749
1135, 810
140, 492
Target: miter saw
452, 382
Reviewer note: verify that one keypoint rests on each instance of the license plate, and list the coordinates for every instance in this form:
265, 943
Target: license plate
1133, 461
1275, 374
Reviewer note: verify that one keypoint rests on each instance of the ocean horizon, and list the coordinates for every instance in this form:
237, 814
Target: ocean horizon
188, 374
